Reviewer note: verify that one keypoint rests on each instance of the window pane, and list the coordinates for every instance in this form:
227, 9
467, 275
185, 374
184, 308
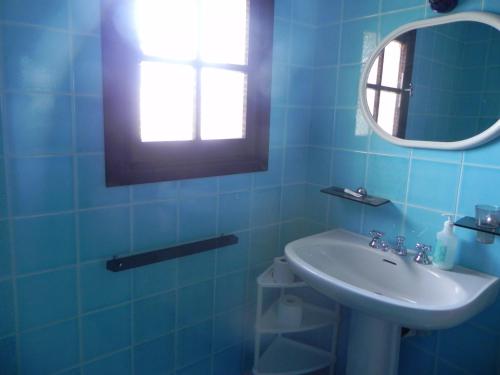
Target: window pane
392, 58
372, 77
223, 104
387, 111
168, 28
167, 102
370, 98
224, 35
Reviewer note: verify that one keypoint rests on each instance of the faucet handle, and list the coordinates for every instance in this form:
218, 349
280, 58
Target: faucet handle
423, 252
376, 234
400, 248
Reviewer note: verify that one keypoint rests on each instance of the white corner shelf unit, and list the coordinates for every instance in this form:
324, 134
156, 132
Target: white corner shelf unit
285, 356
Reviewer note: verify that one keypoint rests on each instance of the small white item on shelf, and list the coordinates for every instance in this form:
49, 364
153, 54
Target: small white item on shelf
281, 271
353, 193
290, 310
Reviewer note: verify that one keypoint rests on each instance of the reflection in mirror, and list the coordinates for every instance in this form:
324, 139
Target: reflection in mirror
438, 83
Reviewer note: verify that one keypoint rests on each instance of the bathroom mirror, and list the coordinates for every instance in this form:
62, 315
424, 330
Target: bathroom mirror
436, 83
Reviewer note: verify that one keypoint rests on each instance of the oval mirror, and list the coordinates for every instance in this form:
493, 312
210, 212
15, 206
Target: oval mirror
436, 83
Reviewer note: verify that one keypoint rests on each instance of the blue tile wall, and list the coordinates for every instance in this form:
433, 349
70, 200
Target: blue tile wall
61, 311
422, 184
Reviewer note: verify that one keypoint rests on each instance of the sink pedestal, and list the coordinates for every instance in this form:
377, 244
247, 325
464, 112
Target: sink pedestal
373, 346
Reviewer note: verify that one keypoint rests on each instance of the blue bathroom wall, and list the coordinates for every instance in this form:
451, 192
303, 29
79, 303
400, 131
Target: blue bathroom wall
422, 184
60, 310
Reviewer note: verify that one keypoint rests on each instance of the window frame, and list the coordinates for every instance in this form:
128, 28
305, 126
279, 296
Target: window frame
131, 161
407, 41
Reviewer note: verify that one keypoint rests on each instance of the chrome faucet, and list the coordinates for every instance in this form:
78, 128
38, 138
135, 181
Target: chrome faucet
423, 252
400, 248
377, 242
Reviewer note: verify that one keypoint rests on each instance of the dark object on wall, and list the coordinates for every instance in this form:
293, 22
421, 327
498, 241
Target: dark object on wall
368, 199
144, 259
443, 6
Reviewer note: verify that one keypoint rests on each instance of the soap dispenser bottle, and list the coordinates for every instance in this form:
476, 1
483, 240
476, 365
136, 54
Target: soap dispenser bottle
445, 249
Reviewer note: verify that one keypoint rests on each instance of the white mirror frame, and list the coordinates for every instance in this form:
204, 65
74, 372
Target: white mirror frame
493, 131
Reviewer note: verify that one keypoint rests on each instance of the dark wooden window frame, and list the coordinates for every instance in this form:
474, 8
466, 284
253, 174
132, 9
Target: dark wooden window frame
407, 41
131, 161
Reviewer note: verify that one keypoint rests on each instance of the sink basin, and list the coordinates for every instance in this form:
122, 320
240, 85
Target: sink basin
387, 291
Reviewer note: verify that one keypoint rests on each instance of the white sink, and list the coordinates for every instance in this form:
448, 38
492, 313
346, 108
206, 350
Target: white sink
387, 291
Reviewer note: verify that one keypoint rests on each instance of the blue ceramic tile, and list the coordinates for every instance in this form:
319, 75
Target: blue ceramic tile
53, 13
154, 317
482, 154
390, 5
277, 128
281, 42
155, 225
283, 8
316, 204
41, 185
264, 244
230, 291
293, 201
321, 127
155, 357
44, 242
7, 320
421, 226
291, 231
155, 191
445, 368
202, 367
359, 39
300, 86
46, 298
100, 288
89, 124
198, 186
295, 165
233, 258
8, 357
234, 211
327, 45
49, 349
345, 214
119, 363
489, 317
106, 331
36, 59
197, 218
491, 6
305, 11
387, 218
194, 343
228, 329
348, 85
155, 278
450, 156
478, 345
413, 361
318, 168
387, 177
439, 196
195, 268
279, 84
3, 192
265, 206
5, 258
329, 11
348, 169
479, 186
390, 22
355, 9
298, 126
325, 86
104, 233
235, 182
38, 124
92, 189
302, 48
229, 361
85, 16
87, 64
195, 303
271, 177
377, 144
351, 130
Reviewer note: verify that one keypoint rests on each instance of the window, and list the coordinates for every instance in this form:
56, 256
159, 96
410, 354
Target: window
186, 88
389, 84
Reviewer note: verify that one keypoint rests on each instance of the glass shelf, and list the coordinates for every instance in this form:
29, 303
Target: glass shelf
470, 223
368, 199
